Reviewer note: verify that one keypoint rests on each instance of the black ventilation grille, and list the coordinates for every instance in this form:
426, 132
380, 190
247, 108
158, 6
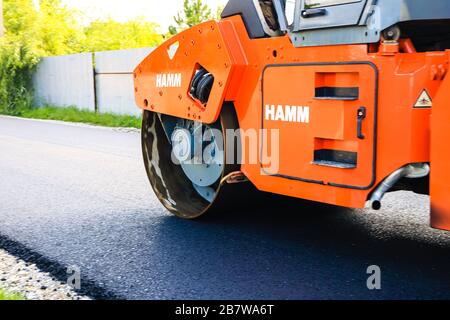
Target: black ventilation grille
337, 93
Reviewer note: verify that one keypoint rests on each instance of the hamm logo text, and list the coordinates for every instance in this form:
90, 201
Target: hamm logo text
168, 80
287, 113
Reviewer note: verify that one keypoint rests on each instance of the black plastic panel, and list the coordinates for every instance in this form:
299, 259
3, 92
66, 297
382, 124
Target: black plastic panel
247, 10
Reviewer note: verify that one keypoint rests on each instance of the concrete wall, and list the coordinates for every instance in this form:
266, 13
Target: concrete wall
65, 81
69, 81
114, 80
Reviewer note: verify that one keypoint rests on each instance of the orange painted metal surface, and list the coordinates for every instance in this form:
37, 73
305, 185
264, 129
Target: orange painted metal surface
440, 158
242, 65
332, 123
162, 82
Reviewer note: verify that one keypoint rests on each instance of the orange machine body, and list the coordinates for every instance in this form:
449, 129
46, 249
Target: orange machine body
260, 76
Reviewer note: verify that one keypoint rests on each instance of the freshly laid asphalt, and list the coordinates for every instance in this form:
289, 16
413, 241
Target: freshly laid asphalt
75, 195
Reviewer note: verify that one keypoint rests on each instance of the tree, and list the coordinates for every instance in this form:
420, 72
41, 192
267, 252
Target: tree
219, 12
52, 29
59, 32
194, 12
20, 20
17, 55
104, 35
2, 30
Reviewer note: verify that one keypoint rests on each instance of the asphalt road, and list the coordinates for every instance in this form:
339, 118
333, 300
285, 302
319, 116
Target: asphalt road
78, 195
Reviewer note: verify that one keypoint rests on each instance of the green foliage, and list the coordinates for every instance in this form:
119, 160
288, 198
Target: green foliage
104, 35
17, 55
219, 12
83, 116
20, 20
7, 296
57, 29
17, 63
53, 29
194, 12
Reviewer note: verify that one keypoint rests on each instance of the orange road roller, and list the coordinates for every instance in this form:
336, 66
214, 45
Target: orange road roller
333, 101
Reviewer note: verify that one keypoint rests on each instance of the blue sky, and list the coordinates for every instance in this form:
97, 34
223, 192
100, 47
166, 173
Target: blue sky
159, 11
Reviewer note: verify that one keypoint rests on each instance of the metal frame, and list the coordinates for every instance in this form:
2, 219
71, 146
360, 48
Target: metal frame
375, 16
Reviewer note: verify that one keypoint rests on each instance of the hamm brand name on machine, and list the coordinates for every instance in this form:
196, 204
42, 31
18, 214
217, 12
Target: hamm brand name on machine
168, 80
287, 113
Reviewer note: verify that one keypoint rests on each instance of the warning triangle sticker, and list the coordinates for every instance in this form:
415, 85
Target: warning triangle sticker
424, 100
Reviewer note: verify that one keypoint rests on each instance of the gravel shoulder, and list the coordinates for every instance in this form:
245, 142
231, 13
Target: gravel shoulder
25, 279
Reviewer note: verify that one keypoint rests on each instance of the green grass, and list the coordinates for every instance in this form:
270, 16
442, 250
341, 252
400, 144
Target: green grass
75, 115
8, 296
